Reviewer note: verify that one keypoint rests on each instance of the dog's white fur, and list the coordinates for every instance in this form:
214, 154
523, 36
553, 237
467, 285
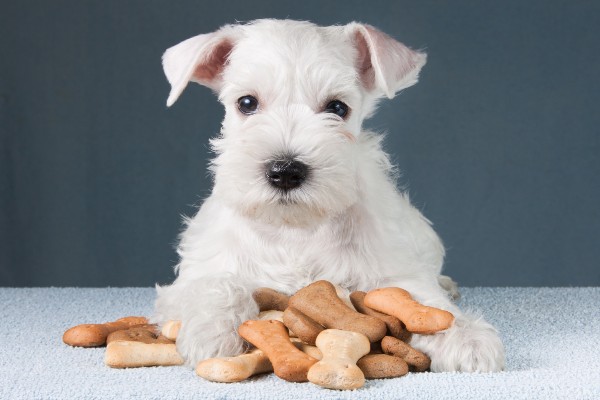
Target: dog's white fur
348, 223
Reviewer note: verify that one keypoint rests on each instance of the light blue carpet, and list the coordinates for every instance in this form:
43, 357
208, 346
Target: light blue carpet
552, 339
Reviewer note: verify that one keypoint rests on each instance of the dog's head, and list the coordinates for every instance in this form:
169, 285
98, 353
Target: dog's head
295, 96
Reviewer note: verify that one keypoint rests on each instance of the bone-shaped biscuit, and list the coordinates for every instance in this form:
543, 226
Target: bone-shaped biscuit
140, 347
400, 304
378, 366
320, 302
92, 335
272, 338
236, 369
341, 350
395, 327
269, 299
417, 360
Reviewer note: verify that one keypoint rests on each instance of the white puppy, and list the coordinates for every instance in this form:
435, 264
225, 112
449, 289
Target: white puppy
301, 193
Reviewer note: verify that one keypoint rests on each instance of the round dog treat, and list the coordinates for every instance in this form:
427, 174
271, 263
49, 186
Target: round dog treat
320, 302
341, 350
395, 327
269, 299
93, 335
140, 347
378, 366
418, 361
170, 329
304, 327
272, 338
417, 317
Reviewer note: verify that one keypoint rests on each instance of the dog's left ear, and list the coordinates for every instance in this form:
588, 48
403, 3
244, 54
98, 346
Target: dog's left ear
199, 59
384, 64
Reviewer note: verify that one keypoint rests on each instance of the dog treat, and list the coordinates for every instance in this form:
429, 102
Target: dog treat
140, 347
271, 314
417, 317
320, 302
395, 327
341, 350
170, 329
236, 369
305, 328
311, 350
272, 338
93, 335
418, 361
378, 366
344, 295
269, 299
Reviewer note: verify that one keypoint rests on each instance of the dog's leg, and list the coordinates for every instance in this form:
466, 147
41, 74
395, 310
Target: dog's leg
210, 309
470, 344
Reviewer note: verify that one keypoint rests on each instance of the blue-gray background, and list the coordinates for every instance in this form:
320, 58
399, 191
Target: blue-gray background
499, 142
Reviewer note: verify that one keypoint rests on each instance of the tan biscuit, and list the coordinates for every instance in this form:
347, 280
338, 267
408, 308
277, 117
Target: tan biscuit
311, 350
269, 299
234, 369
395, 327
139, 333
140, 347
170, 329
272, 338
417, 317
378, 366
418, 361
92, 335
271, 314
341, 350
320, 302
303, 326
344, 295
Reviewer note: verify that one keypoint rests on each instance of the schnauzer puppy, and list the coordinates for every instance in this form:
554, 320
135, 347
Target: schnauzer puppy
301, 192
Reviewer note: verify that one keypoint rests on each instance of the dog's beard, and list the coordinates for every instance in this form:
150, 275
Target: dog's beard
295, 208
285, 213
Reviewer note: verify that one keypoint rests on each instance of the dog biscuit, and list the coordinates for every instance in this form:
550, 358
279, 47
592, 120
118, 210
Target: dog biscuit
93, 335
140, 347
418, 361
320, 302
272, 338
416, 317
395, 327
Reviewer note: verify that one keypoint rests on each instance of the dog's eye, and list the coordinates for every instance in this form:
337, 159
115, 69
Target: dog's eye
247, 105
337, 107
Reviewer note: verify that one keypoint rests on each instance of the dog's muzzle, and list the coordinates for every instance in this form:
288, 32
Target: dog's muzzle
286, 174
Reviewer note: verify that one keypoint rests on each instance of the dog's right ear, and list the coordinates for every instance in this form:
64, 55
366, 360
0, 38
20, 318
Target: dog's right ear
199, 59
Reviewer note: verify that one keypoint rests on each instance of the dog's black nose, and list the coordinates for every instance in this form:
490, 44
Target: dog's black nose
286, 174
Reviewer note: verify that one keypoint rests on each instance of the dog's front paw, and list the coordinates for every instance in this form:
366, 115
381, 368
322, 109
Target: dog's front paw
470, 345
200, 339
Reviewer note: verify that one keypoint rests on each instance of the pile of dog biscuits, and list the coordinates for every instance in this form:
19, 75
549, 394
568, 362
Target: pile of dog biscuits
312, 336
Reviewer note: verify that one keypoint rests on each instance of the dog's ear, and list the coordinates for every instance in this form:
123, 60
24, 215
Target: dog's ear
384, 64
199, 59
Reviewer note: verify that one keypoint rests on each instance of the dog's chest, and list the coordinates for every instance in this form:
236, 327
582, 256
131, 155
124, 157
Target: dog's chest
295, 257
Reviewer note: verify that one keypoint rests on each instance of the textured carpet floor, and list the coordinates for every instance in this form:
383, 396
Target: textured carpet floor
552, 340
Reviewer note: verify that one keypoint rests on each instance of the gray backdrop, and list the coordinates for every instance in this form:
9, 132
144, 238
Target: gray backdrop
498, 143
